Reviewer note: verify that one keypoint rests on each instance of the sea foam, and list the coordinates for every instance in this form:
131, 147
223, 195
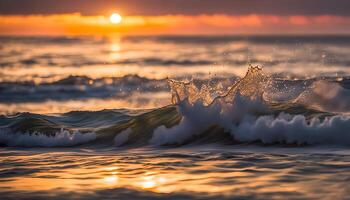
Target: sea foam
293, 130
247, 116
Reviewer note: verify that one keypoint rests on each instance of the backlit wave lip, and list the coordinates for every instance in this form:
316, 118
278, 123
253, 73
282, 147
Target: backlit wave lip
256, 109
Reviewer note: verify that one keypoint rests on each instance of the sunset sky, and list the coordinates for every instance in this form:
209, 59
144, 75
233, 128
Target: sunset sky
177, 17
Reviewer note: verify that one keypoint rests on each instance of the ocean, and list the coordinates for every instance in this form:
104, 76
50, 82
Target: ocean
175, 117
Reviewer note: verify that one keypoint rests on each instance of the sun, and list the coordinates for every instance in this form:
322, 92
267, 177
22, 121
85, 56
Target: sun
115, 18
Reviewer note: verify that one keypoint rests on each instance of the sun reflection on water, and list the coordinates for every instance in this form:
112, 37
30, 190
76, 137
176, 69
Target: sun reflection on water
111, 179
115, 48
150, 181
161, 175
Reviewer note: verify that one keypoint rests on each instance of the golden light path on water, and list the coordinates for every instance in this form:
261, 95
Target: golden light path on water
225, 174
161, 175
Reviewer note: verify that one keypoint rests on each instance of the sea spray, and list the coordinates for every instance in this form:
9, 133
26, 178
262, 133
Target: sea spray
327, 96
247, 113
199, 111
256, 108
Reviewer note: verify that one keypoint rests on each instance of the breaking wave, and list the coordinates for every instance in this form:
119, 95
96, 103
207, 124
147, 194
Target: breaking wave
257, 109
294, 130
251, 112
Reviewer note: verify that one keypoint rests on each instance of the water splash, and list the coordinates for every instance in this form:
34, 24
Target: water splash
256, 108
249, 113
201, 109
251, 86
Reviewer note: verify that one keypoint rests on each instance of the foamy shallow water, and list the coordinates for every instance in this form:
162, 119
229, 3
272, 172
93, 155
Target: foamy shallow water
202, 172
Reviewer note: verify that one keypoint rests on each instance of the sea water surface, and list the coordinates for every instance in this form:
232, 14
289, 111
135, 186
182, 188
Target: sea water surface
175, 117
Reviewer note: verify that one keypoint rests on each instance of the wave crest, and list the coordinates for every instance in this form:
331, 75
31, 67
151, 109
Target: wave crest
63, 138
257, 108
249, 113
251, 86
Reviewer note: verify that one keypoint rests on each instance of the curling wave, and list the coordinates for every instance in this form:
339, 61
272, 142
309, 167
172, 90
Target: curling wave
250, 112
255, 109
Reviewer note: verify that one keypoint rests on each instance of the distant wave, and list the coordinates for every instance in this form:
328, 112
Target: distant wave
259, 39
49, 60
78, 87
79, 60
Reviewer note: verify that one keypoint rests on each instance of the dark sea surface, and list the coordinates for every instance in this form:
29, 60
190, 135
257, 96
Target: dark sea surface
175, 117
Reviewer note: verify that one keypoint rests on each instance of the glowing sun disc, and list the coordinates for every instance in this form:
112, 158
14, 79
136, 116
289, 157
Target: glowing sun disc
115, 18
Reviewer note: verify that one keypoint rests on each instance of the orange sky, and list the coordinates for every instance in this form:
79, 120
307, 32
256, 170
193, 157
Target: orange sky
77, 24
